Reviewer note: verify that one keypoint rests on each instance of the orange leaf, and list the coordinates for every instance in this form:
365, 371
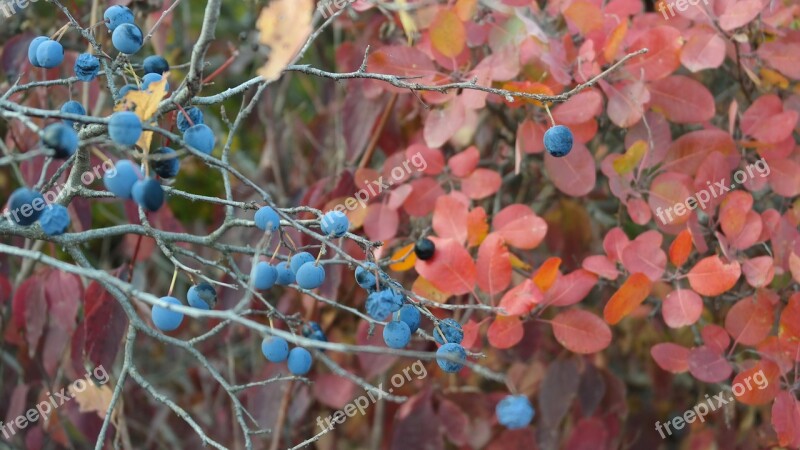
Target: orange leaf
448, 34
759, 384
680, 248
424, 288
629, 296
403, 259
585, 16
547, 273
615, 40
477, 226
711, 277
505, 332
789, 325
527, 87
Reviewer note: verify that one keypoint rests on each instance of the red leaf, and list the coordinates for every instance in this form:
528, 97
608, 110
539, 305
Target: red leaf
372, 363
481, 183
740, 14
711, 277
416, 425
442, 123
571, 288
521, 298
627, 298
749, 321
601, 265
671, 357
530, 137
450, 218
681, 308
104, 324
783, 56
704, 49
332, 390
64, 293
519, 226
493, 265
581, 331
433, 158
451, 269
645, 257
579, 109
715, 337
766, 121
29, 308
423, 197
574, 174
689, 151
682, 99
505, 332
455, 421
405, 61
462, 164
786, 419
709, 366
589, 434
626, 101
381, 222
759, 271
663, 57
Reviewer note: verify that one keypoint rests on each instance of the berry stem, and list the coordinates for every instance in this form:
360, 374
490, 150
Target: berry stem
552, 121
224, 66
100, 155
319, 255
135, 255
185, 114
275, 253
172, 284
60, 32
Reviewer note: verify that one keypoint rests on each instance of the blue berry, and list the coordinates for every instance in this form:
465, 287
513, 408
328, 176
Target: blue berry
424, 248
314, 331
452, 332
124, 128
117, 15
382, 303
86, 67
165, 319
410, 315
60, 138
264, 276
285, 274
299, 259
454, 351
200, 137
49, 54
148, 194
366, 277
299, 361
127, 88
32, 47
72, 107
558, 140
396, 334
150, 78
155, 64
334, 223
121, 179
127, 38
267, 219
310, 276
25, 206
168, 165
202, 296
514, 411
54, 220
275, 349
196, 114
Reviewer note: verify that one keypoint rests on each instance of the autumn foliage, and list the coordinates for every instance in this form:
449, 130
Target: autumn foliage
561, 270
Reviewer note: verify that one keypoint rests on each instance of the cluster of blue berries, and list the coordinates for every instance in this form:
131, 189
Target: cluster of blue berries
276, 350
126, 182
200, 296
26, 206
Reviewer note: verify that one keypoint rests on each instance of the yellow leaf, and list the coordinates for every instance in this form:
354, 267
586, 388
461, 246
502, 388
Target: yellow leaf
93, 398
403, 259
773, 78
631, 158
615, 40
284, 26
586, 16
409, 25
448, 34
518, 263
425, 289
